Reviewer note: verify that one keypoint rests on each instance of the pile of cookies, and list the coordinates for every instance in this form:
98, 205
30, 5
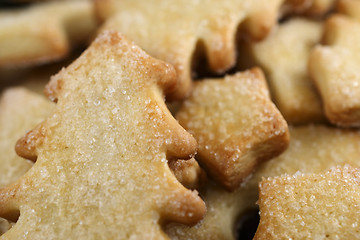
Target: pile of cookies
129, 119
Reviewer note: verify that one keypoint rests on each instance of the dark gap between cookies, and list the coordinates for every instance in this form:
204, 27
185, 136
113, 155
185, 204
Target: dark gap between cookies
247, 224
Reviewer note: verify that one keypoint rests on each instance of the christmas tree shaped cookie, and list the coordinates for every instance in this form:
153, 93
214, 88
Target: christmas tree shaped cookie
101, 169
182, 32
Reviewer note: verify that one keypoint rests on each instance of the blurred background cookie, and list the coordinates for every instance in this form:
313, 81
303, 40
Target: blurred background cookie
20, 111
334, 68
44, 32
183, 32
283, 55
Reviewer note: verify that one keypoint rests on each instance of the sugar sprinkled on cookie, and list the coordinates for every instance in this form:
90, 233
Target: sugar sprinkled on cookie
179, 29
311, 206
235, 124
101, 168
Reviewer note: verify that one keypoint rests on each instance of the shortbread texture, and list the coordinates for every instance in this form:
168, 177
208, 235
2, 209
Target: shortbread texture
312, 149
311, 206
44, 32
101, 170
284, 57
183, 32
20, 111
334, 69
235, 124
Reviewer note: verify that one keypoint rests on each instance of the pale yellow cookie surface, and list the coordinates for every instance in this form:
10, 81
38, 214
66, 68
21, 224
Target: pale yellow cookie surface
223, 209
308, 7
235, 124
311, 206
44, 32
174, 31
312, 149
284, 55
5, 225
188, 172
20, 111
349, 7
101, 169
334, 69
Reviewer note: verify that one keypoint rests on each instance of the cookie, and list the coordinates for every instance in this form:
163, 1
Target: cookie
20, 111
34, 78
316, 8
4, 225
183, 32
284, 55
188, 173
223, 210
334, 69
101, 168
44, 32
312, 149
350, 8
16, 122
235, 124
311, 206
